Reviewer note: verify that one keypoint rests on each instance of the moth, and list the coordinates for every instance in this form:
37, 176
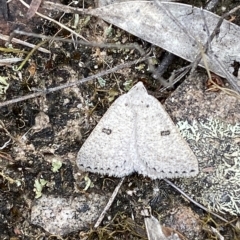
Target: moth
136, 134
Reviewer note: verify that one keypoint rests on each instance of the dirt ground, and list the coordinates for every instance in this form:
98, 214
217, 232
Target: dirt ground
33, 132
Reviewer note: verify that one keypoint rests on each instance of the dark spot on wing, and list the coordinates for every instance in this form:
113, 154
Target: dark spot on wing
165, 133
107, 131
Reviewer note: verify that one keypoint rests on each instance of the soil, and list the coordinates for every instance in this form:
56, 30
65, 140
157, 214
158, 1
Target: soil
33, 132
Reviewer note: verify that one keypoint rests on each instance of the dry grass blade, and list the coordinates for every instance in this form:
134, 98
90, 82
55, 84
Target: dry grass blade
33, 8
112, 198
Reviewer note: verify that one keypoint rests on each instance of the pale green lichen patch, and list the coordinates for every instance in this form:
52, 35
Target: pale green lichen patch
216, 145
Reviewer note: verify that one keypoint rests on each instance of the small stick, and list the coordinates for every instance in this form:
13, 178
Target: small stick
9, 61
63, 8
18, 41
109, 204
90, 44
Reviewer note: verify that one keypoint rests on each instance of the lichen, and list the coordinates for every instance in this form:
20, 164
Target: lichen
216, 145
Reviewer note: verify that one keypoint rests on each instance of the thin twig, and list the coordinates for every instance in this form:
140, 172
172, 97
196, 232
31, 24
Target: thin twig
207, 29
67, 85
18, 41
109, 204
8, 61
5, 144
90, 44
63, 8
196, 203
